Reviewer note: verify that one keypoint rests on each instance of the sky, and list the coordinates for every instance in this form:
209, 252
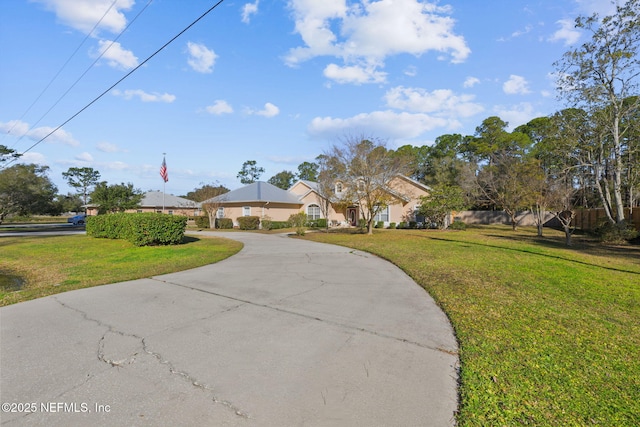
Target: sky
278, 82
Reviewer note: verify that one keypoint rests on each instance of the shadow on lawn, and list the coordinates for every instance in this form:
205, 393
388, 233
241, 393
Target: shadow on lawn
590, 248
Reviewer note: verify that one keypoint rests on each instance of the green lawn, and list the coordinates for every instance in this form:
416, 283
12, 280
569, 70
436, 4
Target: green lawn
548, 335
52, 264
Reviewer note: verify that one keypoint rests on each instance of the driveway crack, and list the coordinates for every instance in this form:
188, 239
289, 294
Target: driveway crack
145, 347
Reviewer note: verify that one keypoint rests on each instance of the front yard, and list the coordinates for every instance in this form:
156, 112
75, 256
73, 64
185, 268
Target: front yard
548, 335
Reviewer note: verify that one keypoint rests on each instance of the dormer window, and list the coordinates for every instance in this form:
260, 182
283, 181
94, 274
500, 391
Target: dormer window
338, 187
360, 185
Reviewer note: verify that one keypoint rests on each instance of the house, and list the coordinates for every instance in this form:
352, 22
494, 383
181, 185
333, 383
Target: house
157, 201
268, 201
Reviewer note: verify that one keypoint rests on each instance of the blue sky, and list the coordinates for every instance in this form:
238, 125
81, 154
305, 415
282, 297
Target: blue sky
278, 82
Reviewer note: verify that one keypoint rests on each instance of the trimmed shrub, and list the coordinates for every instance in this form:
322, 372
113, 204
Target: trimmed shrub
379, 224
249, 222
392, 225
266, 223
457, 225
413, 224
224, 223
402, 224
299, 221
318, 223
202, 221
615, 233
142, 229
277, 225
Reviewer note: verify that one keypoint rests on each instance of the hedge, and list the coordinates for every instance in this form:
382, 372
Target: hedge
202, 221
143, 229
249, 222
224, 223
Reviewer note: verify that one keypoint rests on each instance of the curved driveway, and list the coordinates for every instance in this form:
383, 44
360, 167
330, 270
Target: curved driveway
285, 333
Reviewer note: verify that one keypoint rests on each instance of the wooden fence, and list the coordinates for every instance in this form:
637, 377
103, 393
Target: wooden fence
588, 219
585, 219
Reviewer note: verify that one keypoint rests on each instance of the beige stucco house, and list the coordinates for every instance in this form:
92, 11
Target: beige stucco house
264, 200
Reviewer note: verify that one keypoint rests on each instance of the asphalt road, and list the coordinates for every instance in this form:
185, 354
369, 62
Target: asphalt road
285, 333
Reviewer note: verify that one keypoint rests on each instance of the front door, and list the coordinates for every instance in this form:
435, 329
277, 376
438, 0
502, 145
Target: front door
352, 216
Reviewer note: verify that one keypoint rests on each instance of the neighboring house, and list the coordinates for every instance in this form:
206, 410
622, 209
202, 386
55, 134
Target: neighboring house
262, 199
154, 201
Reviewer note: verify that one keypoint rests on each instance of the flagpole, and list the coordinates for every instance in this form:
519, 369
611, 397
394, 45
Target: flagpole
164, 183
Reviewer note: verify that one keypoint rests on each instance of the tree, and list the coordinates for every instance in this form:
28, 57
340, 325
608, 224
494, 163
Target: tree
250, 173
206, 191
308, 171
7, 153
367, 171
82, 179
284, 179
26, 190
599, 76
115, 198
441, 201
507, 184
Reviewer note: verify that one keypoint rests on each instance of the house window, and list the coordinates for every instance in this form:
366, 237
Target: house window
220, 213
360, 185
338, 187
313, 212
246, 211
382, 215
170, 212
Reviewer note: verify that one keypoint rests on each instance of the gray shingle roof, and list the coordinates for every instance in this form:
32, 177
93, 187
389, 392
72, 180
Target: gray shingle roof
154, 198
259, 191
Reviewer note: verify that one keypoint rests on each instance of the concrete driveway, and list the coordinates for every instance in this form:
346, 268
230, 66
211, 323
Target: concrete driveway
285, 333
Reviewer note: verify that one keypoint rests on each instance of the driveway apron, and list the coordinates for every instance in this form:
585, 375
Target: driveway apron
285, 333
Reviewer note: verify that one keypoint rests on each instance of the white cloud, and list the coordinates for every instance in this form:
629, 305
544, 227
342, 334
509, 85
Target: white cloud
411, 71
144, 96
367, 32
516, 85
566, 33
601, 7
219, 107
527, 29
116, 55
14, 127
384, 123
517, 115
354, 74
201, 58
269, 110
249, 9
471, 81
84, 157
21, 129
83, 14
107, 147
32, 157
441, 102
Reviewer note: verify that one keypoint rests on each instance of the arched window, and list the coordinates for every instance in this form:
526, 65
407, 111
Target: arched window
313, 212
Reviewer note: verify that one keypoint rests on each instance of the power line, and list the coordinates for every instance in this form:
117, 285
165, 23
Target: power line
119, 81
87, 70
60, 71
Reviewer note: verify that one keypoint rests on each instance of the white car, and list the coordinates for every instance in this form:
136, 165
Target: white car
77, 220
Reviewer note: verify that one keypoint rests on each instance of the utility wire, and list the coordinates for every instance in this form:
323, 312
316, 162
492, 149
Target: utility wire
58, 73
87, 70
119, 81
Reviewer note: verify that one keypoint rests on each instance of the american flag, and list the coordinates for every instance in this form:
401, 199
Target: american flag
163, 170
